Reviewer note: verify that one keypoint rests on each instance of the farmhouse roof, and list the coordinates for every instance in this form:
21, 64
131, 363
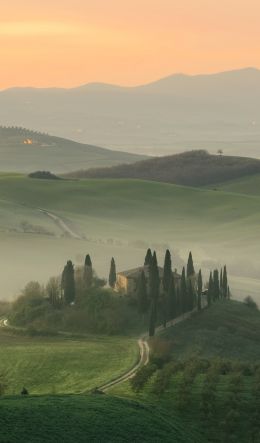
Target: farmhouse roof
135, 273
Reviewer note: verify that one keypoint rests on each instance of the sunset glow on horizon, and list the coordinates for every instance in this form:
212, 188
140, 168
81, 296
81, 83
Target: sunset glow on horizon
67, 43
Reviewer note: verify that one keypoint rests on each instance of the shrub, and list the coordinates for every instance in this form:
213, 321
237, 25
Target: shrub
250, 303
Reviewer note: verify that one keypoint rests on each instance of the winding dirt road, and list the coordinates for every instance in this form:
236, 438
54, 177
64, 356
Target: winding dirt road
144, 355
61, 223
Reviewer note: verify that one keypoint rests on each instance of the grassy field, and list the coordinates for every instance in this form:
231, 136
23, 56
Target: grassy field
97, 419
247, 185
59, 365
227, 329
112, 215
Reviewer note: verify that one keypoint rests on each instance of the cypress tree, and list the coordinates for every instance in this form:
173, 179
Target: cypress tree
216, 290
190, 266
68, 283
172, 300
178, 302
142, 296
154, 293
88, 272
183, 293
200, 287
112, 274
148, 258
221, 283
190, 296
210, 290
167, 271
225, 283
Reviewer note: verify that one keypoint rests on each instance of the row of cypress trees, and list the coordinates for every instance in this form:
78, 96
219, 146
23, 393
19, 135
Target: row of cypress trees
168, 296
174, 296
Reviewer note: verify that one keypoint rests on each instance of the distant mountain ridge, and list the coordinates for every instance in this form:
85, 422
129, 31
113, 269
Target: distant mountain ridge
23, 150
172, 115
195, 168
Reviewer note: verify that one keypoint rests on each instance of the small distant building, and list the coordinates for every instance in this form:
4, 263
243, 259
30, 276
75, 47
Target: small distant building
127, 281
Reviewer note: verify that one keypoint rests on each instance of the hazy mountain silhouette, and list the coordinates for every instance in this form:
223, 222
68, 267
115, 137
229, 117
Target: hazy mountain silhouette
173, 114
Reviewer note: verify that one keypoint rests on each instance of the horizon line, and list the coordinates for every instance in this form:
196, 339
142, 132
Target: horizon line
115, 85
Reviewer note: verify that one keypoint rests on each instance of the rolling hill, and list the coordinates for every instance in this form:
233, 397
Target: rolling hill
111, 217
211, 376
97, 419
195, 168
171, 115
22, 150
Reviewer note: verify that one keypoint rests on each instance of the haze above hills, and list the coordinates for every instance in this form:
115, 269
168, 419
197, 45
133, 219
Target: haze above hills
171, 115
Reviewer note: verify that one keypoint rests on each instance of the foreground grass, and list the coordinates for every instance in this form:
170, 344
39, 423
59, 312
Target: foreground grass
97, 419
63, 365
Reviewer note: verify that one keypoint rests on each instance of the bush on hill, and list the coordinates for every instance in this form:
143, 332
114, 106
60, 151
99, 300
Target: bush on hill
44, 175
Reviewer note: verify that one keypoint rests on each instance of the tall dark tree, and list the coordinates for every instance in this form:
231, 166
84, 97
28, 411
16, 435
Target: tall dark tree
221, 284
200, 287
112, 274
148, 258
190, 266
154, 293
167, 271
183, 293
172, 300
68, 283
88, 272
216, 290
142, 296
190, 296
225, 283
210, 290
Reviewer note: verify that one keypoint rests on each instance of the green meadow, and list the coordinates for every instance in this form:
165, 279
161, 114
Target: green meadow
88, 419
62, 365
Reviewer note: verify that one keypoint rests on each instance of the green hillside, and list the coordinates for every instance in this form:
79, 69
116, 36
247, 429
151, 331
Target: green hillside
112, 215
211, 378
247, 185
229, 330
26, 151
62, 365
97, 419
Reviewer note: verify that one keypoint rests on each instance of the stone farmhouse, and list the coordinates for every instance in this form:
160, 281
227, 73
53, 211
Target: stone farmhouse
127, 281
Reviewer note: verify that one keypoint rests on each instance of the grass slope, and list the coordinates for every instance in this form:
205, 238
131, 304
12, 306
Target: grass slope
112, 215
247, 185
230, 330
53, 153
195, 168
87, 419
59, 365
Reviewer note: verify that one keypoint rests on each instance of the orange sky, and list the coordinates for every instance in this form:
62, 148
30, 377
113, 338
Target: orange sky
71, 42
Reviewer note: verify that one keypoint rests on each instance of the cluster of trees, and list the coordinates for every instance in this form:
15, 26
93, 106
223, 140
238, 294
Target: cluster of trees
161, 296
173, 296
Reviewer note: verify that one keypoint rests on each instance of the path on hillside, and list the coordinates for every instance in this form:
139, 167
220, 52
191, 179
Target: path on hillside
143, 345
61, 223
144, 353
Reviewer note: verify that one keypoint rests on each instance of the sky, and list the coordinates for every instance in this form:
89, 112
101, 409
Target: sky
66, 43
